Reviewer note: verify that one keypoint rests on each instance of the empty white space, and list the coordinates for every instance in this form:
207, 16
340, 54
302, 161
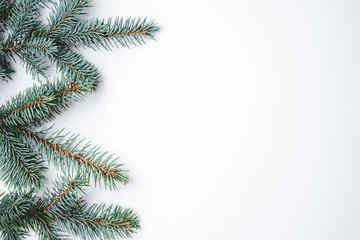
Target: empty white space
240, 122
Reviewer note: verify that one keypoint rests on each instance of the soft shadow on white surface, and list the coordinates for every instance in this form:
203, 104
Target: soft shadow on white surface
240, 122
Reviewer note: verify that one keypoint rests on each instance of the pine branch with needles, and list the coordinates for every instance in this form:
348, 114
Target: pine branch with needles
26, 145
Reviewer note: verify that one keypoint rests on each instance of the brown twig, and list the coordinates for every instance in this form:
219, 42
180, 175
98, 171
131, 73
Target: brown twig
71, 186
19, 47
74, 88
29, 105
133, 32
126, 223
78, 157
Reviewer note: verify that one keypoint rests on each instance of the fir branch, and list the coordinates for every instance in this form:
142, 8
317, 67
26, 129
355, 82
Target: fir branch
88, 33
47, 230
34, 65
23, 211
96, 33
69, 188
32, 53
38, 46
62, 151
39, 101
28, 111
40, 104
5, 69
15, 220
18, 160
130, 31
65, 191
70, 62
74, 88
65, 13
9, 232
22, 148
14, 206
23, 18
5, 8
99, 221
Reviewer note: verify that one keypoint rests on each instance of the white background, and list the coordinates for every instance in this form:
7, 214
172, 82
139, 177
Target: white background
241, 121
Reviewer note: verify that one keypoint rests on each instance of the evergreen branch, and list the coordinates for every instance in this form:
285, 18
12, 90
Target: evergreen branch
38, 46
34, 65
130, 31
88, 33
65, 14
47, 230
10, 232
23, 210
14, 206
40, 104
22, 35
74, 88
19, 48
5, 8
69, 188
5, 69
78, 157
18, 160
61, 150
65, 192
32, 52
39, 101
23, 18
100, 221
71, 62
30, 111
97, 33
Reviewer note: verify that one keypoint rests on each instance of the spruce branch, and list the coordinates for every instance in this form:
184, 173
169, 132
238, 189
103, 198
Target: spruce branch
14, 208
32, 53
34, 65
47, 230
22, 211
97, 33
87, 32
64, 191
19, 160
62, 211
39, 46
130, 31
40, 103
9, 232
23, 18
64, 150
16, 205
66, 13
5, 69
5, 7
100, 221
70, 62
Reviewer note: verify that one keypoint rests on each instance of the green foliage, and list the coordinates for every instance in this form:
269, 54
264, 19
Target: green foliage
61, 212
20, 165
117, 32
32, 41
40, 104
100, 221
66, 152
